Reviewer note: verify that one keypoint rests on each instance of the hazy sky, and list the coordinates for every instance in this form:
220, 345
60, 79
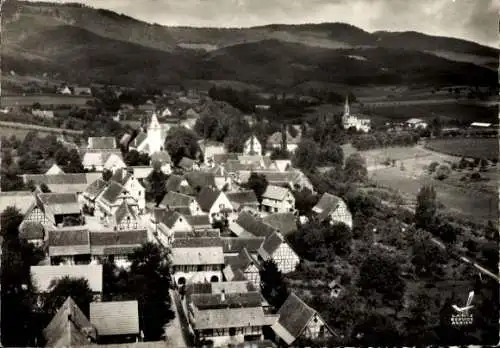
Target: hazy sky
475, 20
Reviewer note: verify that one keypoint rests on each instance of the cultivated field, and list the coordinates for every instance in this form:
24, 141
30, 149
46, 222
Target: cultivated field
410, 173
28, 100
466, 147
466, 112
8, 129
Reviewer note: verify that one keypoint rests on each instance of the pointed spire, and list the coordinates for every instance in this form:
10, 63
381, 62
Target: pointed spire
154, 124
347, 111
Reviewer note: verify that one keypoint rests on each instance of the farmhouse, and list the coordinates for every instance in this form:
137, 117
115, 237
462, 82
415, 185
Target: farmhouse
54, 208
333, 208
170, 223
275, 248
196, 260
62, 183
245, 264
278, 200
298, 320
243, 200
103, 159
132, 186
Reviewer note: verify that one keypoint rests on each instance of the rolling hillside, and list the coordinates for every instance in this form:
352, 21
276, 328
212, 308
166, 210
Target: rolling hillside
83, 44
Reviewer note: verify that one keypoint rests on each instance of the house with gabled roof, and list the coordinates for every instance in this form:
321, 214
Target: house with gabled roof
111, 198
69, 327
44, 277
223, 179
54, 170
54, 208
69, 246
22, 200
245, 263
61, 183
125, 217
116, 321
210, 148
276, 248
178, 183
197, 260
298, 320
199, 222
100, 160
132, 185
232, 246
101, 143
278, 199
226, 317
91, 193
334, 209
174, 200
170, 223
214, 203
252, 146
243, 200
249, 225
116, 246
283, 164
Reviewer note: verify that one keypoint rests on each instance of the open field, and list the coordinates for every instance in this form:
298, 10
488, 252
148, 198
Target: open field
28, 100
8, 129
467, 200
466, 147
446, 111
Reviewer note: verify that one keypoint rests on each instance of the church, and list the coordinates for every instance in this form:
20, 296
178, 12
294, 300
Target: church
348, 120
153, 139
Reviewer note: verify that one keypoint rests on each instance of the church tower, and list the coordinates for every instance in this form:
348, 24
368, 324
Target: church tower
155, 135
347, 110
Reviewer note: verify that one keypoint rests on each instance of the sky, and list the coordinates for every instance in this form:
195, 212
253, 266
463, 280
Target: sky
474, 20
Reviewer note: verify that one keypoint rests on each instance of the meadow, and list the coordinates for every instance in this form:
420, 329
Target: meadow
466, 147
28, 100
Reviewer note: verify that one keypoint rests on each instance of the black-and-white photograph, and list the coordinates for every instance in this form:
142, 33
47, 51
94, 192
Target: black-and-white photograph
249, 173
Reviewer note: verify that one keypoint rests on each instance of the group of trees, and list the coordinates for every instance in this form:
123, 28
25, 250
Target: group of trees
243, 100
384, 139
182, 142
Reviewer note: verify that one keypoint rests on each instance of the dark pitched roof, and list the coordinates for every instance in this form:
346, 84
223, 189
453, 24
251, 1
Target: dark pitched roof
59, 203
115, 318
95, 188
201, 242
174, 182
272, 243
224, 157
185, 211
246, 197
30, 230
200, 179
198, 233
129, 237
69, 327
68, 237
124, 211
294, 315
243, 260
112, 192
327, 202
174, 199
207, 197
198, 220
236, 244
254, 225
57, 179
170, 217
285, 223
121, 176
232, 300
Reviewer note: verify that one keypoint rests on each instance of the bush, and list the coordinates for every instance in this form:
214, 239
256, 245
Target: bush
443, 171
433, 166
475, 176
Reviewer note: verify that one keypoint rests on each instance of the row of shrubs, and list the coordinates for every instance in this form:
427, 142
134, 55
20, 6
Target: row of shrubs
442, 171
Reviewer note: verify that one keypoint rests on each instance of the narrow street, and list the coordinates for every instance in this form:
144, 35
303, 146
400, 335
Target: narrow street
177, 332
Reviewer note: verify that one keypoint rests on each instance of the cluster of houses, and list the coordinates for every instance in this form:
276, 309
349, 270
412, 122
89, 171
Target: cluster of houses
218, 232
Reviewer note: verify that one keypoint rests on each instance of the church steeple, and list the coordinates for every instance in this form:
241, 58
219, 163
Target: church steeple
347, 111
154, 124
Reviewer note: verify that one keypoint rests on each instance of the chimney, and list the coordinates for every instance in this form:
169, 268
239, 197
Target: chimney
223, 295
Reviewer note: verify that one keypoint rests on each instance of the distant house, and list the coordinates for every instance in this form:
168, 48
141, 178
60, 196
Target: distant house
278, 200
197, 260
132, 186
246, 200
117, 320
243, 264
227, 318
214, 203
480, 125
333, 208
65, 90
275, 141
416, 123
101, 143
69, 327
116, 207
116, 246
252, 146
82, 91
298, 320
275, 248
44, 277
47, 114
199, 222
174, 201
54, 170
54, 208
178, 183
209, 149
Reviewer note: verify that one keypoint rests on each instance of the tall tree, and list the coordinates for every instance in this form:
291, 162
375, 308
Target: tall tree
355, 168
272, 284
306, 155
258, 183
11, 218
156, 184
425, 212
77, 288
149, 282
181, 142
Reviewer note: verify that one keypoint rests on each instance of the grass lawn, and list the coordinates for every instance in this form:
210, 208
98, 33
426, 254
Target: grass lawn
55, 99
466, 147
